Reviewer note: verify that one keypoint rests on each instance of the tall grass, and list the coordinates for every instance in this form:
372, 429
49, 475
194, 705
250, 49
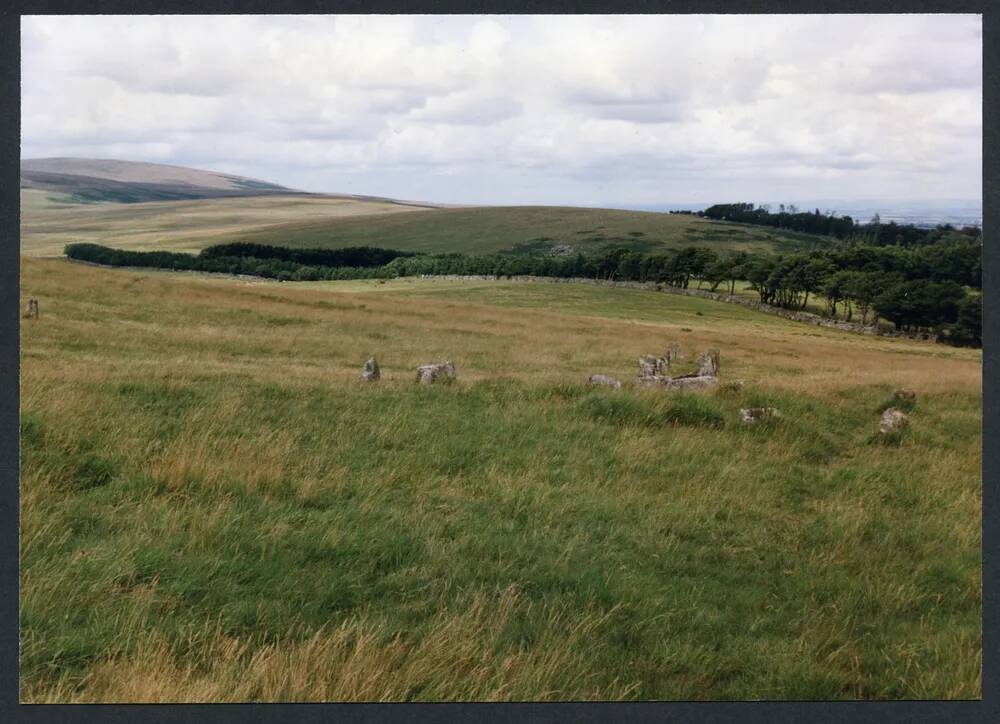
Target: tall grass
215, 508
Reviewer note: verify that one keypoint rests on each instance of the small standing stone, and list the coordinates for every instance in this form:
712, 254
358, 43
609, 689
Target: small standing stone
371, 372
904, 395
650, 366
31, 310
893, 421
429, 374
708, 364
604, 380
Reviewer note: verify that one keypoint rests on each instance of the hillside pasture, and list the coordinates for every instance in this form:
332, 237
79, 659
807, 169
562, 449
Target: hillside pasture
215, 508
530, 230
50, 221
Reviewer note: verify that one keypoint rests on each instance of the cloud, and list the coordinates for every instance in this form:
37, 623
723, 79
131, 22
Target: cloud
522, 109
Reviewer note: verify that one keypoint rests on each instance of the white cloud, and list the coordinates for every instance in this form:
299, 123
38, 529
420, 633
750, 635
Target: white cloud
521, 109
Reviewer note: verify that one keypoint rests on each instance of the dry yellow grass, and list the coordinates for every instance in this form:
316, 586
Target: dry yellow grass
47, 226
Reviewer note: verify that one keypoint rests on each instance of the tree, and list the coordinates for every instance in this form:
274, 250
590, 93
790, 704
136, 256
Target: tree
968, 326
919, 303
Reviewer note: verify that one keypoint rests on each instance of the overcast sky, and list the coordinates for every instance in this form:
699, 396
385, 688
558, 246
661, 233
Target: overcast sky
584, 110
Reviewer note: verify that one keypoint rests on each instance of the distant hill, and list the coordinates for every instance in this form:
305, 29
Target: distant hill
84, 180
527, 230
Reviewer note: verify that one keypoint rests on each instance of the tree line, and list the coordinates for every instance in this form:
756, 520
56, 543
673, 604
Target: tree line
922, 288
841, 227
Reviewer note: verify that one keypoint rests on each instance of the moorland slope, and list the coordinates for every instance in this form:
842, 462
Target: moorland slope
214, 507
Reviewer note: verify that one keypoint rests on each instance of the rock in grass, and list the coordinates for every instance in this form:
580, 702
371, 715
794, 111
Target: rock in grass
651, 366
696, 382
371, 372
604, 380
708, 364
429, 374
905, 395
753, 415
31, 309
893, 421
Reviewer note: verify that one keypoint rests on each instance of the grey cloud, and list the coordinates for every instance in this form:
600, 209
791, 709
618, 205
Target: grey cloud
542, 108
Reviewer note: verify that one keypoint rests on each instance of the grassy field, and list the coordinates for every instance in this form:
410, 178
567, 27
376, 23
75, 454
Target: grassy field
47, 225
214, 507
530, 229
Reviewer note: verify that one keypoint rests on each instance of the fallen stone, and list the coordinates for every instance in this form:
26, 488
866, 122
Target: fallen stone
429, 374
752, 415
371, 372
604, 380
697, 382
892, 421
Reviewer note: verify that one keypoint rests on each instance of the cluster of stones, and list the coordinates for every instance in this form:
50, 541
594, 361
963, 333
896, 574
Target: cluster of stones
654, 371
31, 309
426, 374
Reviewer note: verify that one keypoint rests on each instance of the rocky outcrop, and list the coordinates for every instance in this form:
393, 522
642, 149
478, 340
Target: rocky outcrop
429, 374
604, 380
371, 372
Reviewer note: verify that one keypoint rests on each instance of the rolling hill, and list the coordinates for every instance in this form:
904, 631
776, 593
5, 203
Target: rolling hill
152, 206
528, 230
84, 180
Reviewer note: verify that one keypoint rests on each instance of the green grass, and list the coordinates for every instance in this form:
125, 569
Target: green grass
215, 508
529, 229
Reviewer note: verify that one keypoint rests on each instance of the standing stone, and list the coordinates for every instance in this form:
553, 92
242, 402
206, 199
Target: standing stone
371, 372
429, 374
649, 365
604, 380
892, 421
673, 353
31, 309
708, 364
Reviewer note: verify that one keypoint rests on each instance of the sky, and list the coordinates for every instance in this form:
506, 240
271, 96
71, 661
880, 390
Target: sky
581, 110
